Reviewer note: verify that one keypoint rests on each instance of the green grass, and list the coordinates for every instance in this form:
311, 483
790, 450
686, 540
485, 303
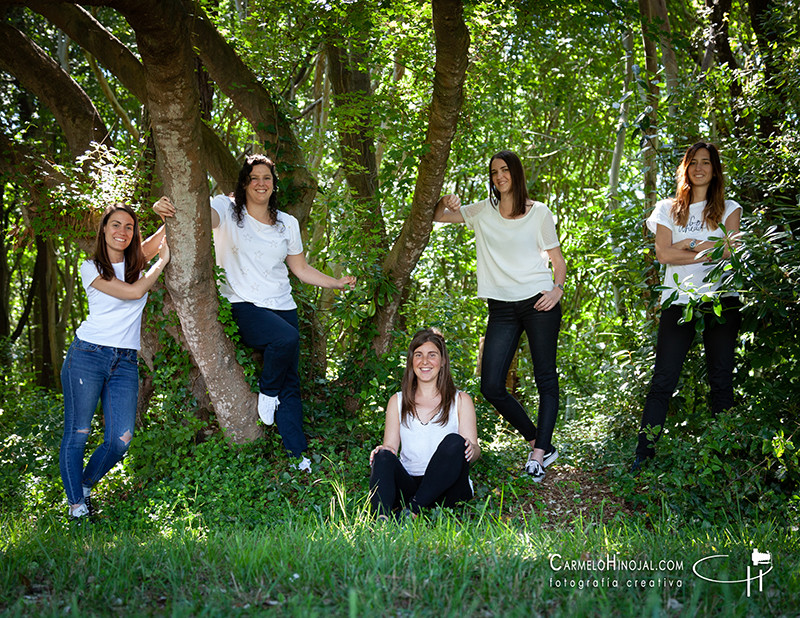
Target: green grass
463, 563
211, 529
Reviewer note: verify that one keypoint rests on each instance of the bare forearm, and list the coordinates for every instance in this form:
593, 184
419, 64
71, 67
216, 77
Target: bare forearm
150, 245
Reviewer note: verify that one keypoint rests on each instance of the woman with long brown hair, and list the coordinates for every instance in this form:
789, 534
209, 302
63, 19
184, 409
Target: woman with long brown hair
516, 242
256, 246
101, 364
687, 228
436, 426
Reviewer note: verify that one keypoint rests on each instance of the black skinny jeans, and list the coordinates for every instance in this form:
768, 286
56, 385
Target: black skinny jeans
507, 321
445, 482
674, 341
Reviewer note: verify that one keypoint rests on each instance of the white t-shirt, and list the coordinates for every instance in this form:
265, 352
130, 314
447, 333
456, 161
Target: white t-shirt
112, 321
691, 277
419, 442
511, 263
253, 255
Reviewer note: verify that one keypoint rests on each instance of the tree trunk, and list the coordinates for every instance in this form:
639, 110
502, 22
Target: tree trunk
659, 11
622, 120
162, 29
42, 325
650, 143
352, 91
769, 41
452, 46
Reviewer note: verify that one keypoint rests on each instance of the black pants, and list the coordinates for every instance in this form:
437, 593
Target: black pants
507, 321
445, 482
674, 341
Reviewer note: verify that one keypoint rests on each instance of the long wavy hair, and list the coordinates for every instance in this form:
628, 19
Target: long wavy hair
134, 256
519, 186
444, 382
239, 195
715, 197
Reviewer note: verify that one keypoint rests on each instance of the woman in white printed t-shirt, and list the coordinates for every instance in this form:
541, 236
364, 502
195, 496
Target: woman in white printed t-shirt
254, 243
101, 364
435, 425
687, 228
515, 239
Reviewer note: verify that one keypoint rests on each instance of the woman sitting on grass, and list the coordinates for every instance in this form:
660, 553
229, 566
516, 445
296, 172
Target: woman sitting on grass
435, 423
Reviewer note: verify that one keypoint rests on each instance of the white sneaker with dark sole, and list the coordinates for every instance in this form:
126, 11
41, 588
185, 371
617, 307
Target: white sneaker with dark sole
535, 469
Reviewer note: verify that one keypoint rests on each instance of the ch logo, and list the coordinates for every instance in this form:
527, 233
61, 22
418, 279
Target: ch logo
758, 559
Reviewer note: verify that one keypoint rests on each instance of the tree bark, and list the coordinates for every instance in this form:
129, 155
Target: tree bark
452, 46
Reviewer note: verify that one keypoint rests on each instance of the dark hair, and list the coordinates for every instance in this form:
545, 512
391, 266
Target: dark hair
444, 382
239, 196
134, 256
518, 184
715, 198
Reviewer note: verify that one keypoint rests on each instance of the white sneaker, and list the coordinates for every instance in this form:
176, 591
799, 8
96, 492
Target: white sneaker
81, 511
304, 465
266, 408
534, 468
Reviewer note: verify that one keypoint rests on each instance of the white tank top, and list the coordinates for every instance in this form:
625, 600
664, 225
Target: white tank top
418, 441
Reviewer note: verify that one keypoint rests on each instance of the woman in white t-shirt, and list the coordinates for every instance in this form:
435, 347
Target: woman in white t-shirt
687, 228
515, 239
435, 425
254, 243
101, 364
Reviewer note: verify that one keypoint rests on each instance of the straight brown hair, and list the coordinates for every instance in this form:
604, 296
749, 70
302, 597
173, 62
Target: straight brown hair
134, 256
444, 382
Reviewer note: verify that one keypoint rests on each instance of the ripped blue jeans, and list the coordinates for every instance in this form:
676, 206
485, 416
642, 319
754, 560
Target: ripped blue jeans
93, 373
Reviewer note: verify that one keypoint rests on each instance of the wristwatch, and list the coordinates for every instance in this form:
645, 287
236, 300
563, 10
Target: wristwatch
560, 286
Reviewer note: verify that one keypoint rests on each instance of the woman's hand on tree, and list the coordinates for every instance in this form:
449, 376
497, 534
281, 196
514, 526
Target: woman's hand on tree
451, 202
164, 208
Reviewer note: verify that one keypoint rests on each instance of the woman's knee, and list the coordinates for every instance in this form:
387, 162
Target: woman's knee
75, 438
453, 444
120, 445
492, 390
383, 460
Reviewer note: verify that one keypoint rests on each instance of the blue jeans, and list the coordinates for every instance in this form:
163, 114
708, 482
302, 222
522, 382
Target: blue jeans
93, 373
507, 321
674, 341
276, 335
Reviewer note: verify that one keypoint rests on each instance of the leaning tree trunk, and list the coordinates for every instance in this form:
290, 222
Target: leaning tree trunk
162, 29
452, 46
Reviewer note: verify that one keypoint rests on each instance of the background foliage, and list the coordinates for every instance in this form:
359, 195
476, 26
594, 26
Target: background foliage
554, 82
